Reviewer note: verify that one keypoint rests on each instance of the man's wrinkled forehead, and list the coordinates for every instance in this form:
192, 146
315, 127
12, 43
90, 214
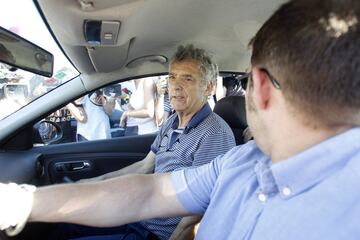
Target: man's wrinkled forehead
185, 68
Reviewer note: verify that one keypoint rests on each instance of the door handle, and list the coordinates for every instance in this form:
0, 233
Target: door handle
72, 166
79, 166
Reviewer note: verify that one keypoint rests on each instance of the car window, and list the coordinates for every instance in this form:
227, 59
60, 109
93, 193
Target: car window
101, 114
18, 87
104, 113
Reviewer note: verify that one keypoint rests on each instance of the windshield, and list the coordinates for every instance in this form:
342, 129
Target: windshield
18, 88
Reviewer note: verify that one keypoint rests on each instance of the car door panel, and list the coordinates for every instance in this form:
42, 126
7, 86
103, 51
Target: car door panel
20, 167
74, 161
40, 165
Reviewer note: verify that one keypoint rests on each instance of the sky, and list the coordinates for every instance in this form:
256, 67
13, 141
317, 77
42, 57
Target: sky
23, 17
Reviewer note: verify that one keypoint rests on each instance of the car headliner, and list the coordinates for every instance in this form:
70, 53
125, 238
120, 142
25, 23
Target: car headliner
155, 27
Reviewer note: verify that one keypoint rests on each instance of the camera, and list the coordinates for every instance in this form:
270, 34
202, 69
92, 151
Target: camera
114, 90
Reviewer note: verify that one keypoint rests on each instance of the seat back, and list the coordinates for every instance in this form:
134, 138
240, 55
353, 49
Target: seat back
232, 110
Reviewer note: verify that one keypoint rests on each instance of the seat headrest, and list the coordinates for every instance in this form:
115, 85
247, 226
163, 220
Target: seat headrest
232, 110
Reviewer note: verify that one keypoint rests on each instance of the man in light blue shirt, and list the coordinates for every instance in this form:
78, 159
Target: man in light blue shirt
311, 195
299, 179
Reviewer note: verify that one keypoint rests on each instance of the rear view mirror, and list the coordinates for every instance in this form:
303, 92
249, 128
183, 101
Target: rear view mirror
20, 53
47, 132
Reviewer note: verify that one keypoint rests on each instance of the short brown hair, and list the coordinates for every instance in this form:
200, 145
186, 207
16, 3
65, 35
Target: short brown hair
312, 47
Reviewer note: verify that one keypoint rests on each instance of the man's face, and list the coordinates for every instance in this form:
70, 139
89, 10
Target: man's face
187, 93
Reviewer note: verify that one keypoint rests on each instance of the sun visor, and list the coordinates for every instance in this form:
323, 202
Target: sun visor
108, 58
104, 53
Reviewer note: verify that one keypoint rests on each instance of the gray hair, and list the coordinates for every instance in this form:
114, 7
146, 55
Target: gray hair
207, 67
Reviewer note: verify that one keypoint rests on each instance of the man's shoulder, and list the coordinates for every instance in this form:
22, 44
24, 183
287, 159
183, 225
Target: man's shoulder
248, 153
214, 123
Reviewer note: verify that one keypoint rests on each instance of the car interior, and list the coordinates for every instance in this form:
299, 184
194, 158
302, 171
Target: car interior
232, 110
113, 41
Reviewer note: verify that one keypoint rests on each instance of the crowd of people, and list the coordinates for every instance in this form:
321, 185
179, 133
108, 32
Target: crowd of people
127, 109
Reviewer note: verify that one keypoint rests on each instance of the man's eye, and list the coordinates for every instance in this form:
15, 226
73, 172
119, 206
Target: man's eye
188, 78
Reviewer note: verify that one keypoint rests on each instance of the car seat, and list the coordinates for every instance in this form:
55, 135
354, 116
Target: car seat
232, 110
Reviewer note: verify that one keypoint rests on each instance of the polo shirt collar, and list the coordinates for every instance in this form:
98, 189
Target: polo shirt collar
305, 169
203, 113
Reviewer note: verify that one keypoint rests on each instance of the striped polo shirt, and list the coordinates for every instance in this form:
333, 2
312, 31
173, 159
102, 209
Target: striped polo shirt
206, 136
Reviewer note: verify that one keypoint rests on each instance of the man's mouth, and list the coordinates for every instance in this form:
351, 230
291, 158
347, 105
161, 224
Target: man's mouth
178, 97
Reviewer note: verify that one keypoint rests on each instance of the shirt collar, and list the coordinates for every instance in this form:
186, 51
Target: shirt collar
195, 120
304, 170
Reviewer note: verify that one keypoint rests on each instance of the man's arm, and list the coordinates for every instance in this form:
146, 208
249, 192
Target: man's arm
160, 114
144, 166
77, 112
109, 105
159, 109
113, 202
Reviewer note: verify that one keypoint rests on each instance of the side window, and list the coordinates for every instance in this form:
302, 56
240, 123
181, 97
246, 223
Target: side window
134, 107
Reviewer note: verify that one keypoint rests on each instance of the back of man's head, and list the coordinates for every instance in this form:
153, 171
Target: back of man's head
207, 67
312, 48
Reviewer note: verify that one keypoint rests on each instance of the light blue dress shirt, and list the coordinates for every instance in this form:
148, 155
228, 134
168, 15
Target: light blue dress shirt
312, 195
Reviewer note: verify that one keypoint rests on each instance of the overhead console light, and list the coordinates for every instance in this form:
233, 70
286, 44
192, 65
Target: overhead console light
101, 32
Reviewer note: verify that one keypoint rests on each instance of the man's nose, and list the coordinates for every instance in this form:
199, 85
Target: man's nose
175, 85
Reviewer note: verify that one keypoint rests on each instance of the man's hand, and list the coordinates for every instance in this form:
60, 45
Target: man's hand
186, 229
15, 206
145, 166
100, 100
108, 104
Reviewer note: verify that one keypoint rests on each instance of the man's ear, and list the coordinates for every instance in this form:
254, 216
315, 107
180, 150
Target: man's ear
210, 89
261, 92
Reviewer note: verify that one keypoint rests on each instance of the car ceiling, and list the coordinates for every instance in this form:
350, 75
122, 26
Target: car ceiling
155, 27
